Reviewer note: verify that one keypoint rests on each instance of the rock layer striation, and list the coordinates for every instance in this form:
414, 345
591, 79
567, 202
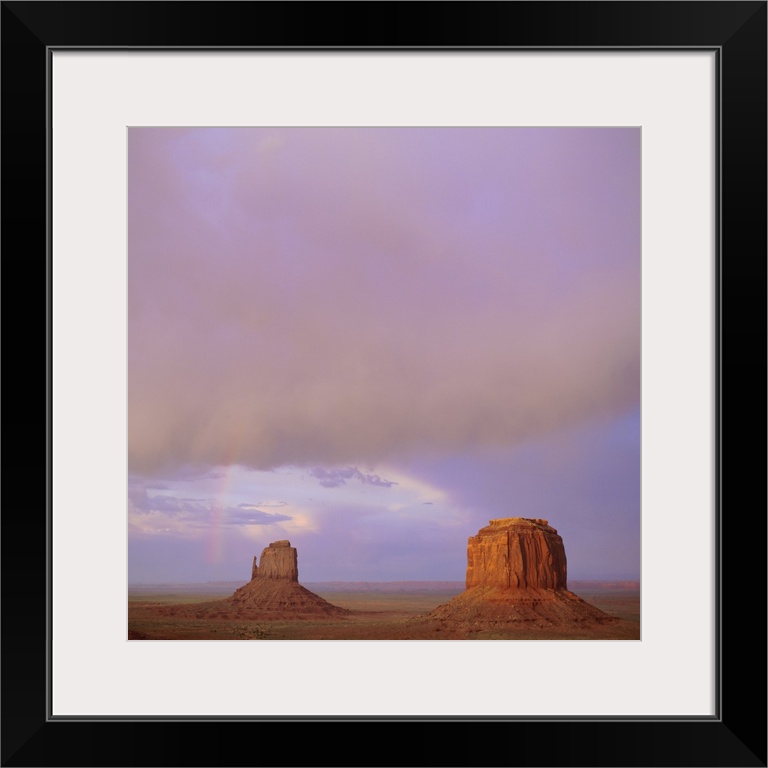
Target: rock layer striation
278, 561
516, 553
517, 574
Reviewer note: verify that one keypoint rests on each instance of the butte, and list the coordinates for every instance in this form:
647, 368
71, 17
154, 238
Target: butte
272, 594
274, 591
516, 576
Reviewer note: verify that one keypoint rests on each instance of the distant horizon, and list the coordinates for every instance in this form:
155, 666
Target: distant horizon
372, 341
373, 581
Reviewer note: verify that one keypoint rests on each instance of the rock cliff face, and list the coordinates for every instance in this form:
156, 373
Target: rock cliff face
518, 553
516, 573
278, 561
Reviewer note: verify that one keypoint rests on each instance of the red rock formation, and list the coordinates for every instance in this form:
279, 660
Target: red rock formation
516, 552
272, 594
274, 591
278, 561
516, 572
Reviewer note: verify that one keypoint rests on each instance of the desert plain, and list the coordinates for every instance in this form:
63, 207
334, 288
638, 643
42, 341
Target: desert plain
378, 611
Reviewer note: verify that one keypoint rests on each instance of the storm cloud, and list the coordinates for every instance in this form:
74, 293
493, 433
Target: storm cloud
324, 297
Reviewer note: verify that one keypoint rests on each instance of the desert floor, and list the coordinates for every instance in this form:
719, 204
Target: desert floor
397, 613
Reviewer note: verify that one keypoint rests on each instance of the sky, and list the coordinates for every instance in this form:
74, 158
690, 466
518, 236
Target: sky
372, 341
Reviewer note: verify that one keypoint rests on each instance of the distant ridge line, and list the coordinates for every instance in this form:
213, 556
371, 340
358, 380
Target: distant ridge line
383, 586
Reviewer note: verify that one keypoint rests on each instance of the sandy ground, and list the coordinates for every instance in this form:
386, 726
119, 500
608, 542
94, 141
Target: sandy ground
381, 615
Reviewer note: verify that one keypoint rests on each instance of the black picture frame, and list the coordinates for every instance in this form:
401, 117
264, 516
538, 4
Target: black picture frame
736, 736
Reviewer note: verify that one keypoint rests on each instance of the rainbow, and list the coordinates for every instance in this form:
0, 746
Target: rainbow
214, 550
222, 496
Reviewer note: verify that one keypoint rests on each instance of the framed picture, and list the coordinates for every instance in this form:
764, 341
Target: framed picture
679, 89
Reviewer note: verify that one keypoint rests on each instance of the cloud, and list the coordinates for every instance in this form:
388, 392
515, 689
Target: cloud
172, 514
238, 516
191, 472
332, 478
334, 297
259, 504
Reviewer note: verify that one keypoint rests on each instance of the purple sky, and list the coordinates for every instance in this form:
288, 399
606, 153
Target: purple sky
373, 341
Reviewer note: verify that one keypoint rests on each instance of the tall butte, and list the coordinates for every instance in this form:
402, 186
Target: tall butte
516, 572
274, 591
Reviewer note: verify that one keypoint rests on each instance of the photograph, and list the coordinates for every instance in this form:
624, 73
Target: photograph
372, 330
384, 383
